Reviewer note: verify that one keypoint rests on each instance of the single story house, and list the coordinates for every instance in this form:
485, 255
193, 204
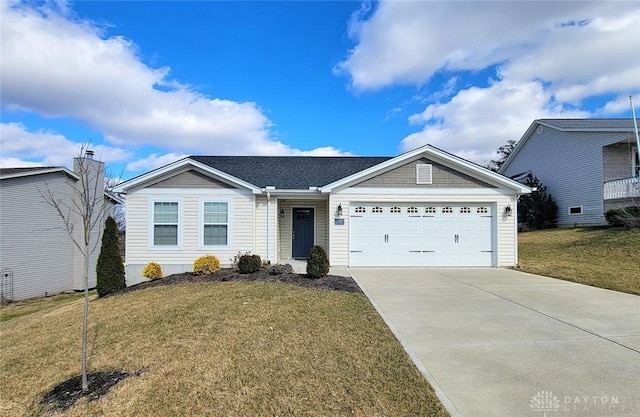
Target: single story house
425, 207
37, 256
588, 165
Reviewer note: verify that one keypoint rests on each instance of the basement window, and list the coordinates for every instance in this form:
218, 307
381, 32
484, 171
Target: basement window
575, 210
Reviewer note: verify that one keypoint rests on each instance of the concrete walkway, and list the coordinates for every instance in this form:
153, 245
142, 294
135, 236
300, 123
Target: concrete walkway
497, 342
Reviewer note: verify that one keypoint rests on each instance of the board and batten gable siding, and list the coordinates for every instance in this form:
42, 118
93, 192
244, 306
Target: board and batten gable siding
504, 226
405, 177
285, 226
32, 244
570, 165
191, 179
176, 260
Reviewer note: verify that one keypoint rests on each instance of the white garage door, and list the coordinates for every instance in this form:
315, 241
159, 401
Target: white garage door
456, 234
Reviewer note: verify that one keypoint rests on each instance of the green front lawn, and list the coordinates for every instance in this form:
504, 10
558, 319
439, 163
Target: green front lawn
218, 349
601, 257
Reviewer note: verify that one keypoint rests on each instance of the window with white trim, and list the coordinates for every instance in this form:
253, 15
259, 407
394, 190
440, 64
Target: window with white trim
165, 223
423, 174
215, 223
575, 210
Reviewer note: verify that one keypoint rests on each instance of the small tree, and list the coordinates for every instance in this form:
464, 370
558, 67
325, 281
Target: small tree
537, 210
82, 220
110, 269
503, 152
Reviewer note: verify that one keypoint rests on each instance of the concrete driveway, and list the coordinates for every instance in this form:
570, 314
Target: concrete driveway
497, 342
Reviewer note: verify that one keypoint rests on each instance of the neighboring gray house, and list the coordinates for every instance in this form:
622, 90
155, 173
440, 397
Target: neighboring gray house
588, 165
425, 207
37, 257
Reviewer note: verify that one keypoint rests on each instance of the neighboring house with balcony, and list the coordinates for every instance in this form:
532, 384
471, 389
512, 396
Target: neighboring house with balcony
589, 166
37, 256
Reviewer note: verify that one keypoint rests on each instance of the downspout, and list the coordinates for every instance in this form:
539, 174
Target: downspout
635, 125
268, 226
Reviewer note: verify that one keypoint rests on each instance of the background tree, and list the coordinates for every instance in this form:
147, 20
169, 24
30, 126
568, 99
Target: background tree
537, 210
82, 218
110, 269
503, 153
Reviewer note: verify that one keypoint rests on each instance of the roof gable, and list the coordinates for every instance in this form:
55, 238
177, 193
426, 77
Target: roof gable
430, 152
570, 125
6, 173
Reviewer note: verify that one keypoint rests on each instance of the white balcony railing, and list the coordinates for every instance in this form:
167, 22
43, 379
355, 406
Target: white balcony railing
624, 188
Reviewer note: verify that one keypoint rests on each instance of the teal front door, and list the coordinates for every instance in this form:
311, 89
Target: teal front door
302, 232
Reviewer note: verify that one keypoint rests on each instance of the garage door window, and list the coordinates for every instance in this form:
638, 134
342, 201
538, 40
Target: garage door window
412, 210
360, 210
376, 210
465, 210
447, 210
482, 210
430, 210
396, 210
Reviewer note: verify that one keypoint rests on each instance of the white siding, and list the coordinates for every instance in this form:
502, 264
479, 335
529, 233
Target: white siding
505, 226
172, 260
260, 242
570, 165
263, 210
40, 254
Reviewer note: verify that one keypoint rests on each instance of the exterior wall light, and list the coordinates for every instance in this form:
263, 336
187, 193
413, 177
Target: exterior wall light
508, 211
339, 211
281, 213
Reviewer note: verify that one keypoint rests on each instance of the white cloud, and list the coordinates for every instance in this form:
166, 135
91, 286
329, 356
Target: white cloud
17, 163
550, 58
21, 147
57, 65
476, 121
323, 151
154, 161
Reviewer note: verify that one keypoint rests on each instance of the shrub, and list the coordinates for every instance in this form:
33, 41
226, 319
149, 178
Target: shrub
248, 264
317, 262
280, 269
624, 217
206, 265
152, 270
110, 269
236, 258
537, 210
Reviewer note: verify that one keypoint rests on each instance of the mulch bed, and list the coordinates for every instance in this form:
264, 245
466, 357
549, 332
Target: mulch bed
329, 282
64, 395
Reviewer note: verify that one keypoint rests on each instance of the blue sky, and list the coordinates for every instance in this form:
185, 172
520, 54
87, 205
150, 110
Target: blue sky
150, 82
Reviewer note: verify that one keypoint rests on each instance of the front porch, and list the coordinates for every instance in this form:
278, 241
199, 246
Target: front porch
622, 188
300, 267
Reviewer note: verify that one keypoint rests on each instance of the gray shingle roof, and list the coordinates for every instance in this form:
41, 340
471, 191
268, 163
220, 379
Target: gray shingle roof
590, 124
289, 172
10, 171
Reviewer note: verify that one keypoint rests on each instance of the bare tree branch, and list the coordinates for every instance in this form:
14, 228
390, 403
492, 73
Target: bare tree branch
86, 212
